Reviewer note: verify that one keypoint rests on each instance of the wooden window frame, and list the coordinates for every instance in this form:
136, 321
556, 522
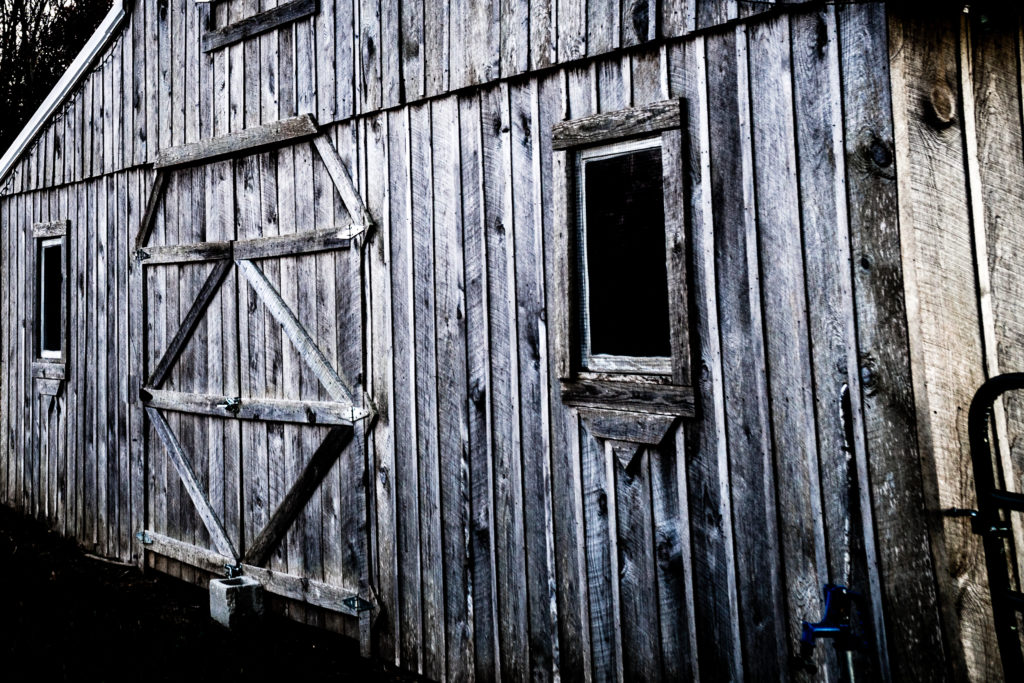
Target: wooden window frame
619, 382
43, 235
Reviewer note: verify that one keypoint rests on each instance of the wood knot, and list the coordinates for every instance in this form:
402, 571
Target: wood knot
641, 20
943, 104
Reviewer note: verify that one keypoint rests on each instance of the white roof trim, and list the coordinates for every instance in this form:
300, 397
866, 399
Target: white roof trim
104, 35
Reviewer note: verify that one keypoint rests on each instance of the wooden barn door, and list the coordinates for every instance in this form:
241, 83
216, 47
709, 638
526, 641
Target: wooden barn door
252, 320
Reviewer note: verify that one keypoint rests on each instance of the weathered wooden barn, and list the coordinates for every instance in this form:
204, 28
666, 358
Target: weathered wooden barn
531, 340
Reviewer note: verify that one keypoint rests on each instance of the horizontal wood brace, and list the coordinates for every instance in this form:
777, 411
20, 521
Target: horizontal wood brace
297, 244
247, 140
617, 125
50, 229
48, 387
184, 253
309, 591
258, 23
308, 242
630, 396
269, 409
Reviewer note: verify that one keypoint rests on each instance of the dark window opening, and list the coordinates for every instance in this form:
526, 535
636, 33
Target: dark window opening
51, 300
622, 250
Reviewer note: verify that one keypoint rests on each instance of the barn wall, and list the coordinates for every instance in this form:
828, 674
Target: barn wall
504, 538
66, 457
769, 490
154, 87
957, 102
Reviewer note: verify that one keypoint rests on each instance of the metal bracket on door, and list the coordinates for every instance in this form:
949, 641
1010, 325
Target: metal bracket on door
232, 405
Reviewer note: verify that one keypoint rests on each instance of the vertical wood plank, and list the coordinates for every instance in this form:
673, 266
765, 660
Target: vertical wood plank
330, 87
602, 27
413, 69
996, 87
390, 53
370, 54
641, 636
822, 175
477, 346
566, 499
510, 562
604, 654
406, 468
787, 344
136, 358
531, 363
452, 394
381, 387
435, 47
887, 395
138, 90
543, 33
425, 349
515, 37
743, 357
286, 67
572, 31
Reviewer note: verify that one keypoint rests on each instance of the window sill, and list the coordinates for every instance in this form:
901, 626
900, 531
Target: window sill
48, 368
630, 394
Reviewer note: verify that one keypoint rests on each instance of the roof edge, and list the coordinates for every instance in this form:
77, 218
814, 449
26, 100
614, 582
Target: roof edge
105, 33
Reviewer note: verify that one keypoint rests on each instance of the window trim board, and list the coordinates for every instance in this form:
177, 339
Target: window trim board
44, 235
630, 392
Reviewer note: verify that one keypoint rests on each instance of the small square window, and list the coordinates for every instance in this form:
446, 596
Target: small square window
620, 257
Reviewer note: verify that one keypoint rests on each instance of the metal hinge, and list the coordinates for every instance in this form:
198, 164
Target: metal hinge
977, 526
357, 604
232, 405
232, 571
144, 538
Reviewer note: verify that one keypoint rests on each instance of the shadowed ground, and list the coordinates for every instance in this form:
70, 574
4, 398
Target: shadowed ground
66, 616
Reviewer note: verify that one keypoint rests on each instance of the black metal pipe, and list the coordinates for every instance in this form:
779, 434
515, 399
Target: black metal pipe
990, 501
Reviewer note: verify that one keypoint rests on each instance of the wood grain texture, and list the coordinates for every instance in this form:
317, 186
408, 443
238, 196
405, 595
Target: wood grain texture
188, 479
743, 356
881, 310
510, 561
452, 393
477, 379
247, 140
996, 69
298, 496
258, 23
337, 388
616, 124
503, 542
189, 323
788, 346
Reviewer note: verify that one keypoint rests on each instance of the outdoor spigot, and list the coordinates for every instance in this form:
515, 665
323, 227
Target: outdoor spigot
836, 623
